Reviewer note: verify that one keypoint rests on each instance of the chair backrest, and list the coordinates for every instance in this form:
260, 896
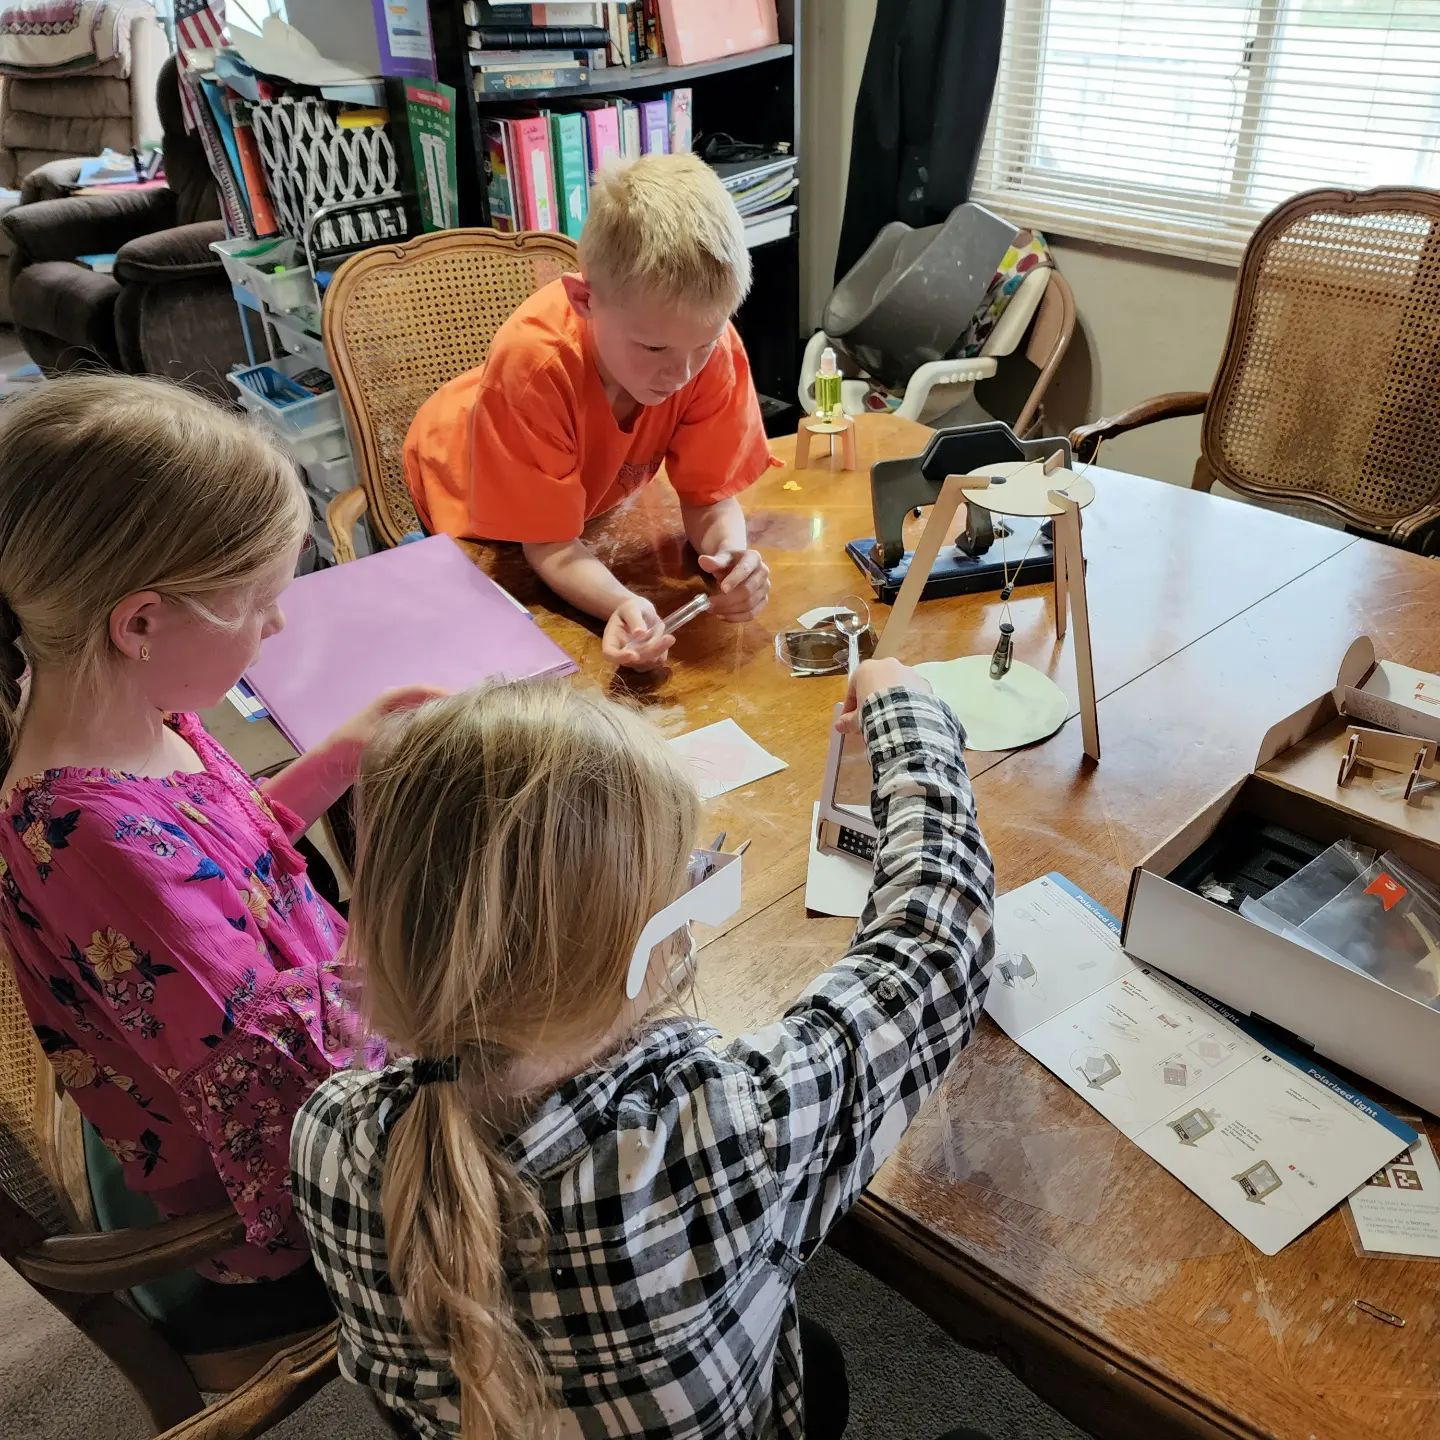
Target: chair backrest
1327, 389
1045, 347
402, 320
31, 1116
54, 115
187, 171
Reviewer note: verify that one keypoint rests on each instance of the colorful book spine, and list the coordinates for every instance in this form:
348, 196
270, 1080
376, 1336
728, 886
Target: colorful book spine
625, 41
572, 179
535, 37
654, 127
585, 13
252, 173
602, 132
535, 183
516, 79
682, 104
234, 208
630, 130
499, 173
654, 36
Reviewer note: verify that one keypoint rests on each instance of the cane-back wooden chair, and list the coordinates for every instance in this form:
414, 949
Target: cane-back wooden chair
1328, 390
105, 1281
400, 321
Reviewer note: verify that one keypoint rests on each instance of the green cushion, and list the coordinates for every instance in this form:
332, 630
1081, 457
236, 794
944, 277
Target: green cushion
195, 1314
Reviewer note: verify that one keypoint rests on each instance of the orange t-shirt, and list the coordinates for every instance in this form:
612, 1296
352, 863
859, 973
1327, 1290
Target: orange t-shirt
527, 448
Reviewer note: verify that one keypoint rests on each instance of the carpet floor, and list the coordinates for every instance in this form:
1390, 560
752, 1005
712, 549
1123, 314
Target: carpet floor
908, 1380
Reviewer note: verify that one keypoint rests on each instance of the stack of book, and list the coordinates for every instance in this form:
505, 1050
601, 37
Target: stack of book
539, 167
516, 47
763, 191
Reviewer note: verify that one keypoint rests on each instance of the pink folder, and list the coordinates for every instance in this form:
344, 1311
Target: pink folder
420, 614
697, 30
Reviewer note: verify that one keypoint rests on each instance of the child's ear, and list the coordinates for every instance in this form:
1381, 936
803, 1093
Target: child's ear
133, 622
577, 288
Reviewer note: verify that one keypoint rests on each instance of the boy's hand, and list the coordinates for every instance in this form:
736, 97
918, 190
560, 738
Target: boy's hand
744, 584
870, 677
635, 636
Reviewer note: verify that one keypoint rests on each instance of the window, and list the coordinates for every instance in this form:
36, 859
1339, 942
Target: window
1176, 125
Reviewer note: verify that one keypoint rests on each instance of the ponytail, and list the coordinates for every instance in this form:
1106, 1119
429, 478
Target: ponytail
453, 1205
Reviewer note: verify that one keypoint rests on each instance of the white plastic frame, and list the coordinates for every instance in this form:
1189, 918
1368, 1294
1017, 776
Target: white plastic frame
712, 902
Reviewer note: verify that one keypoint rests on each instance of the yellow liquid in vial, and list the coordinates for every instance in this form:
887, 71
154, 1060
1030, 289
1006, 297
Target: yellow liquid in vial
827, 396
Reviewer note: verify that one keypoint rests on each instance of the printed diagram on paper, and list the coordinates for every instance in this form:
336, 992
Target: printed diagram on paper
1266, 1139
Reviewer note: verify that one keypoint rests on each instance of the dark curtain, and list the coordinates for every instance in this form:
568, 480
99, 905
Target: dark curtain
920, 116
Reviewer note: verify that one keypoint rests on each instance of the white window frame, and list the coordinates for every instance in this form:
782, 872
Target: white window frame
1016, 185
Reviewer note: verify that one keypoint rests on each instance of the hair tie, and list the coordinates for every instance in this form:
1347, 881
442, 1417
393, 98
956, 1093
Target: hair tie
427, 1072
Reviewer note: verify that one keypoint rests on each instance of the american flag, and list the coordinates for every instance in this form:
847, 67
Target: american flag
199, 25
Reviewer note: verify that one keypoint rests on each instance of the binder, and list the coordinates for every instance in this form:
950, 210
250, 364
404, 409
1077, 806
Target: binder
533, 178
572, 180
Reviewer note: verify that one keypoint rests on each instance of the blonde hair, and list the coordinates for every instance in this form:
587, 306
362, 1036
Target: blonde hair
513, 841
110, 484
665, 224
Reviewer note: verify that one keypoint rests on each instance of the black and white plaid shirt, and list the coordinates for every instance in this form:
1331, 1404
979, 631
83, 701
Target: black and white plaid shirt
685, 1184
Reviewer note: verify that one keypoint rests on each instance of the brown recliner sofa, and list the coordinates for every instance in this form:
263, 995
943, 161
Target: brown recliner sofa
167, 309
44, 118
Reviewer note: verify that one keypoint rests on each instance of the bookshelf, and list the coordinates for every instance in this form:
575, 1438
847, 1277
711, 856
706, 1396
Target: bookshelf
753, 96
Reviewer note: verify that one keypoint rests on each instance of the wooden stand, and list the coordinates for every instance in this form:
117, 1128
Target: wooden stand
844, 427
1406, 755
1027, 489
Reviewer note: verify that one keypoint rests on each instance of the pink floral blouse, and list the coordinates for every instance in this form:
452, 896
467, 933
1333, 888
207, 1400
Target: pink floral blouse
180, 973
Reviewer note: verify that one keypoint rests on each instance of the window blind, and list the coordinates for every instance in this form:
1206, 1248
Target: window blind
1176, 125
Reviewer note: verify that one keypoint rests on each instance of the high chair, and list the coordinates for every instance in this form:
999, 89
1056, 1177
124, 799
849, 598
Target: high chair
1018, 297
401, 320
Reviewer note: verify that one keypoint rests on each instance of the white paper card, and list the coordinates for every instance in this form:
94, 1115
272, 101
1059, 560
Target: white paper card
1397, 1211
723, 757
1267, 1139
835, 884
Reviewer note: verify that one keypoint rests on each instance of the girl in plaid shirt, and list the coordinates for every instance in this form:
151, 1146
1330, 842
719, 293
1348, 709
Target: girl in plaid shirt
564, 1218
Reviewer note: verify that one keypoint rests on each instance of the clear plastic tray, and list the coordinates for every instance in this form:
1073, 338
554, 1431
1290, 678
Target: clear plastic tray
292, 333
318, 444
274, 272
329, 477
267, 390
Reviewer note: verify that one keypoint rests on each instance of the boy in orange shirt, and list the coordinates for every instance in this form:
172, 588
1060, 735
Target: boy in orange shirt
596, 381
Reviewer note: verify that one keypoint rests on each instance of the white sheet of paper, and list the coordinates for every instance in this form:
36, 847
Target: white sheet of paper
1398, 1211
1268, 1140
835, 884
724, 757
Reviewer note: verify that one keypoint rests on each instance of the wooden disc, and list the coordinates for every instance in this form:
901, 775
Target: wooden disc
828, 427
1027, 488
1023, 706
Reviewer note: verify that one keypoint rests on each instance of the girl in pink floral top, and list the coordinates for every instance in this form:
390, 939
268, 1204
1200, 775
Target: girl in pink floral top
177, 965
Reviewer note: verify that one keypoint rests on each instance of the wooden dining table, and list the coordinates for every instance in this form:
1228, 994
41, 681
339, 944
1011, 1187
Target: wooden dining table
1012, 1212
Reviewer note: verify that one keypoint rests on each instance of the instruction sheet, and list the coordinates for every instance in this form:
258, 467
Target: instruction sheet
1266, 1138
1397, 1210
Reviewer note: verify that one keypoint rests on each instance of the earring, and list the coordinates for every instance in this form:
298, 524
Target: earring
144, 652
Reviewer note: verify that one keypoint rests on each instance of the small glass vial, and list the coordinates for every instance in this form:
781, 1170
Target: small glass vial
827, 388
